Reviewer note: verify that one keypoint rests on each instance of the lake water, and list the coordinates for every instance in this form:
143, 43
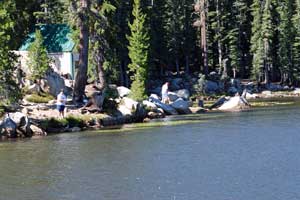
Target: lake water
252, 155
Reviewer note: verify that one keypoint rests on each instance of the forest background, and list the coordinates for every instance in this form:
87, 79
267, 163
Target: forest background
132, 42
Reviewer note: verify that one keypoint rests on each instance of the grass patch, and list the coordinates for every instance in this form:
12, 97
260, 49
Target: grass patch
73, 121
39, 98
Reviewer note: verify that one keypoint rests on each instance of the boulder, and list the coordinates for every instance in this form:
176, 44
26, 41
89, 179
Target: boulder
22, 122
149, 105
54, 82
219, 102
173, 96
18, 118
274, 87
129, 103
36, 130
235, 104
127, 106
211, 87
124, 110
181, 106
167, 108
183, 93
232, 90
8, 127
33, 88
296, 91
154, 96
123, 91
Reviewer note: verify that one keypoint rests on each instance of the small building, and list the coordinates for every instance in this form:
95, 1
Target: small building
59, 45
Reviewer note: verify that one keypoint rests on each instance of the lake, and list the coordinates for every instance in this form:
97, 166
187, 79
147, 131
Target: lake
252, 155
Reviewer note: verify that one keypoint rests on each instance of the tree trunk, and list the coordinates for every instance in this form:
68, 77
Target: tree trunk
203, 36
81, 75
101, 74
220, 53
187, 65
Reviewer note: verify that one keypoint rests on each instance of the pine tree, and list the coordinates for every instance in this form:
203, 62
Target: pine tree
296, 42
38, 61
138, 52
285, 33
8, 88
256, 40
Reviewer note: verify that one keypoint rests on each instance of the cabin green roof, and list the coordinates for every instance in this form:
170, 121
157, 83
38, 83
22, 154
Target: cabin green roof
57, 38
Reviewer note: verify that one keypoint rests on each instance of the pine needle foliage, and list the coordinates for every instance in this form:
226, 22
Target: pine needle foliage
138, 52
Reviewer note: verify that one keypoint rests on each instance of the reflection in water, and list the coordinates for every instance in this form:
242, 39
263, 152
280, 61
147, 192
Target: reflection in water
248, 155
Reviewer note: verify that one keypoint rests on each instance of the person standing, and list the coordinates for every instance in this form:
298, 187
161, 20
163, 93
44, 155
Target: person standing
61, 103
164, 93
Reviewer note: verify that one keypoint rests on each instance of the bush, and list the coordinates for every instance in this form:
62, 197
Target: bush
39, 98
73, 121
54, 123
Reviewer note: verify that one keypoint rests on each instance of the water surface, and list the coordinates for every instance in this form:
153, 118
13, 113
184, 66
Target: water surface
220, 156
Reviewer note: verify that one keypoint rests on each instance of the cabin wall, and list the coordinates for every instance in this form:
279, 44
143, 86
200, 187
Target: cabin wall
62, 63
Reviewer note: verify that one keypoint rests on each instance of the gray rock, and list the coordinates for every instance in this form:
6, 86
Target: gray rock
232, 90
33, 88
235, 104
274, 87
183, 93
173, 96
219, 102
181, 106
123, 91
22, 122
36, 130
129, 103
18, 118
124, 110
167, 108
54, 82
8, 127
149, 105
154, 96
211, 87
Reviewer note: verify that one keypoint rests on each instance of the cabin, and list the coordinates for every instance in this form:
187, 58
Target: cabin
59, 45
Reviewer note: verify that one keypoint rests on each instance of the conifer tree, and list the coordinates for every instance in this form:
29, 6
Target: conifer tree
8, 88
38, 61
267, 29
256, 40
296, 41
285, 33
138, 52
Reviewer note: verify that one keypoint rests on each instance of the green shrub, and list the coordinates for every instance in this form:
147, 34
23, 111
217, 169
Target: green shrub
54, 123
73, 121
39, 98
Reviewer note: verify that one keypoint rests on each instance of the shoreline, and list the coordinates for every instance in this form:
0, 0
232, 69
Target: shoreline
74, 122
110, 122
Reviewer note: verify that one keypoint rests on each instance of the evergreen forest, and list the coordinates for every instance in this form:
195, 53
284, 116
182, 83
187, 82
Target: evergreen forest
129, 42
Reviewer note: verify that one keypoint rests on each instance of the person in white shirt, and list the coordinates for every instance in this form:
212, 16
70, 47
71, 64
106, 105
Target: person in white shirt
164, 93
61, 103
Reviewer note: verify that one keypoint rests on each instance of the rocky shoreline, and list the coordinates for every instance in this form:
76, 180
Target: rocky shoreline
41, 119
